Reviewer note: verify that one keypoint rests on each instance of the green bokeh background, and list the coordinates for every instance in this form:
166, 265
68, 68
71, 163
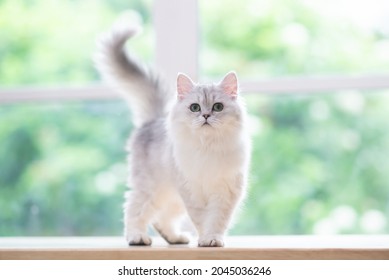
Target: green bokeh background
319, 162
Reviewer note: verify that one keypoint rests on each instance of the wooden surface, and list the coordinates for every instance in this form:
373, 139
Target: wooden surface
242, 247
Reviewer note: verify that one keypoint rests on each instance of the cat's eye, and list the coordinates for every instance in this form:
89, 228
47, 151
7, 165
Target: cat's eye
195, 107
218, 107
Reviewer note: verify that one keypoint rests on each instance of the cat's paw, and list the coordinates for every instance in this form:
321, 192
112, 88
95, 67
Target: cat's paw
211, 241
179, 239
139, 239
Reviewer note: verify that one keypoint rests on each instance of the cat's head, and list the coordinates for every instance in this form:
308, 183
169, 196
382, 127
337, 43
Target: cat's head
208, 108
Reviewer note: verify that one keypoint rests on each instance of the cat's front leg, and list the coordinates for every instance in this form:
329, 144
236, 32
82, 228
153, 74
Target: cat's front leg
217, 218
211, 208
138, 211
219, 212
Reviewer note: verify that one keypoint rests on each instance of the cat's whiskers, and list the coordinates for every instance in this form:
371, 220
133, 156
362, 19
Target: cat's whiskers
215, 122
197, 122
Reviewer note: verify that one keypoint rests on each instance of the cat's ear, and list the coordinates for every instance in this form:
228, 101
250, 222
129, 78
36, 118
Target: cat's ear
229, 84
184, 85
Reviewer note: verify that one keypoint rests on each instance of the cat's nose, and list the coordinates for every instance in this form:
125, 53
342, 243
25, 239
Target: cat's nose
206, 116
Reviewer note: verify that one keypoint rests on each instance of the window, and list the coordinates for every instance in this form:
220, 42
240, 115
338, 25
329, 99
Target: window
62, 136
316, 85
294, 38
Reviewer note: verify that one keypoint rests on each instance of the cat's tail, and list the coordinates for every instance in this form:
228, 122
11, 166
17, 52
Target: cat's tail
145, 95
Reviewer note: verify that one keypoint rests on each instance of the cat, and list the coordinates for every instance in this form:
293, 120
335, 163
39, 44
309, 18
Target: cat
189, 152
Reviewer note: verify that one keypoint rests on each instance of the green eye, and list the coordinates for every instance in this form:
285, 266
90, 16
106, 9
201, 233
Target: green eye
195, 107
218, 107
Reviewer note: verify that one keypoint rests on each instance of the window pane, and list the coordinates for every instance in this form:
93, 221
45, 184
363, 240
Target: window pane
319, 164
51, 42
287, 37
63, 168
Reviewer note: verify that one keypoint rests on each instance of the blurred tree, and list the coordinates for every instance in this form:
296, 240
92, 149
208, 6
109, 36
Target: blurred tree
288, 37
318, 164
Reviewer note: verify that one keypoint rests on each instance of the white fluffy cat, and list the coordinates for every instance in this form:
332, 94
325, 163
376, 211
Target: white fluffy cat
189, 153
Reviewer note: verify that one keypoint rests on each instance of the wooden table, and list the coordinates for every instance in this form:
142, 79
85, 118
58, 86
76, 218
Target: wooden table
350, 247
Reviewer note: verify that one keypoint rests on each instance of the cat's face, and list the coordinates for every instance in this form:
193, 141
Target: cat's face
208, 108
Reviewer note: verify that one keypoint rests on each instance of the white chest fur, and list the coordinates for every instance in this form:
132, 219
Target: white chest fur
211, 166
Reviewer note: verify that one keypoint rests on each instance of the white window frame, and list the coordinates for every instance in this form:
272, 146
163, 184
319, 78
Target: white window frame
176, 24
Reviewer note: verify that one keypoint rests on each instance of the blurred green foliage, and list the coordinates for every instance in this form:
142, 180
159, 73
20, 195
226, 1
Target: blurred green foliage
319, 163
288, 37
52, 41
63, 168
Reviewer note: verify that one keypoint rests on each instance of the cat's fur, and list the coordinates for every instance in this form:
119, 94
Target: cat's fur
181, 161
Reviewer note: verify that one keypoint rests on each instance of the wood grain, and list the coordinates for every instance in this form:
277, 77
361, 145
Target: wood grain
238, 248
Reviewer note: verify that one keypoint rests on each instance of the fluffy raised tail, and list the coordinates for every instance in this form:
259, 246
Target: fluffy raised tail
145, 95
